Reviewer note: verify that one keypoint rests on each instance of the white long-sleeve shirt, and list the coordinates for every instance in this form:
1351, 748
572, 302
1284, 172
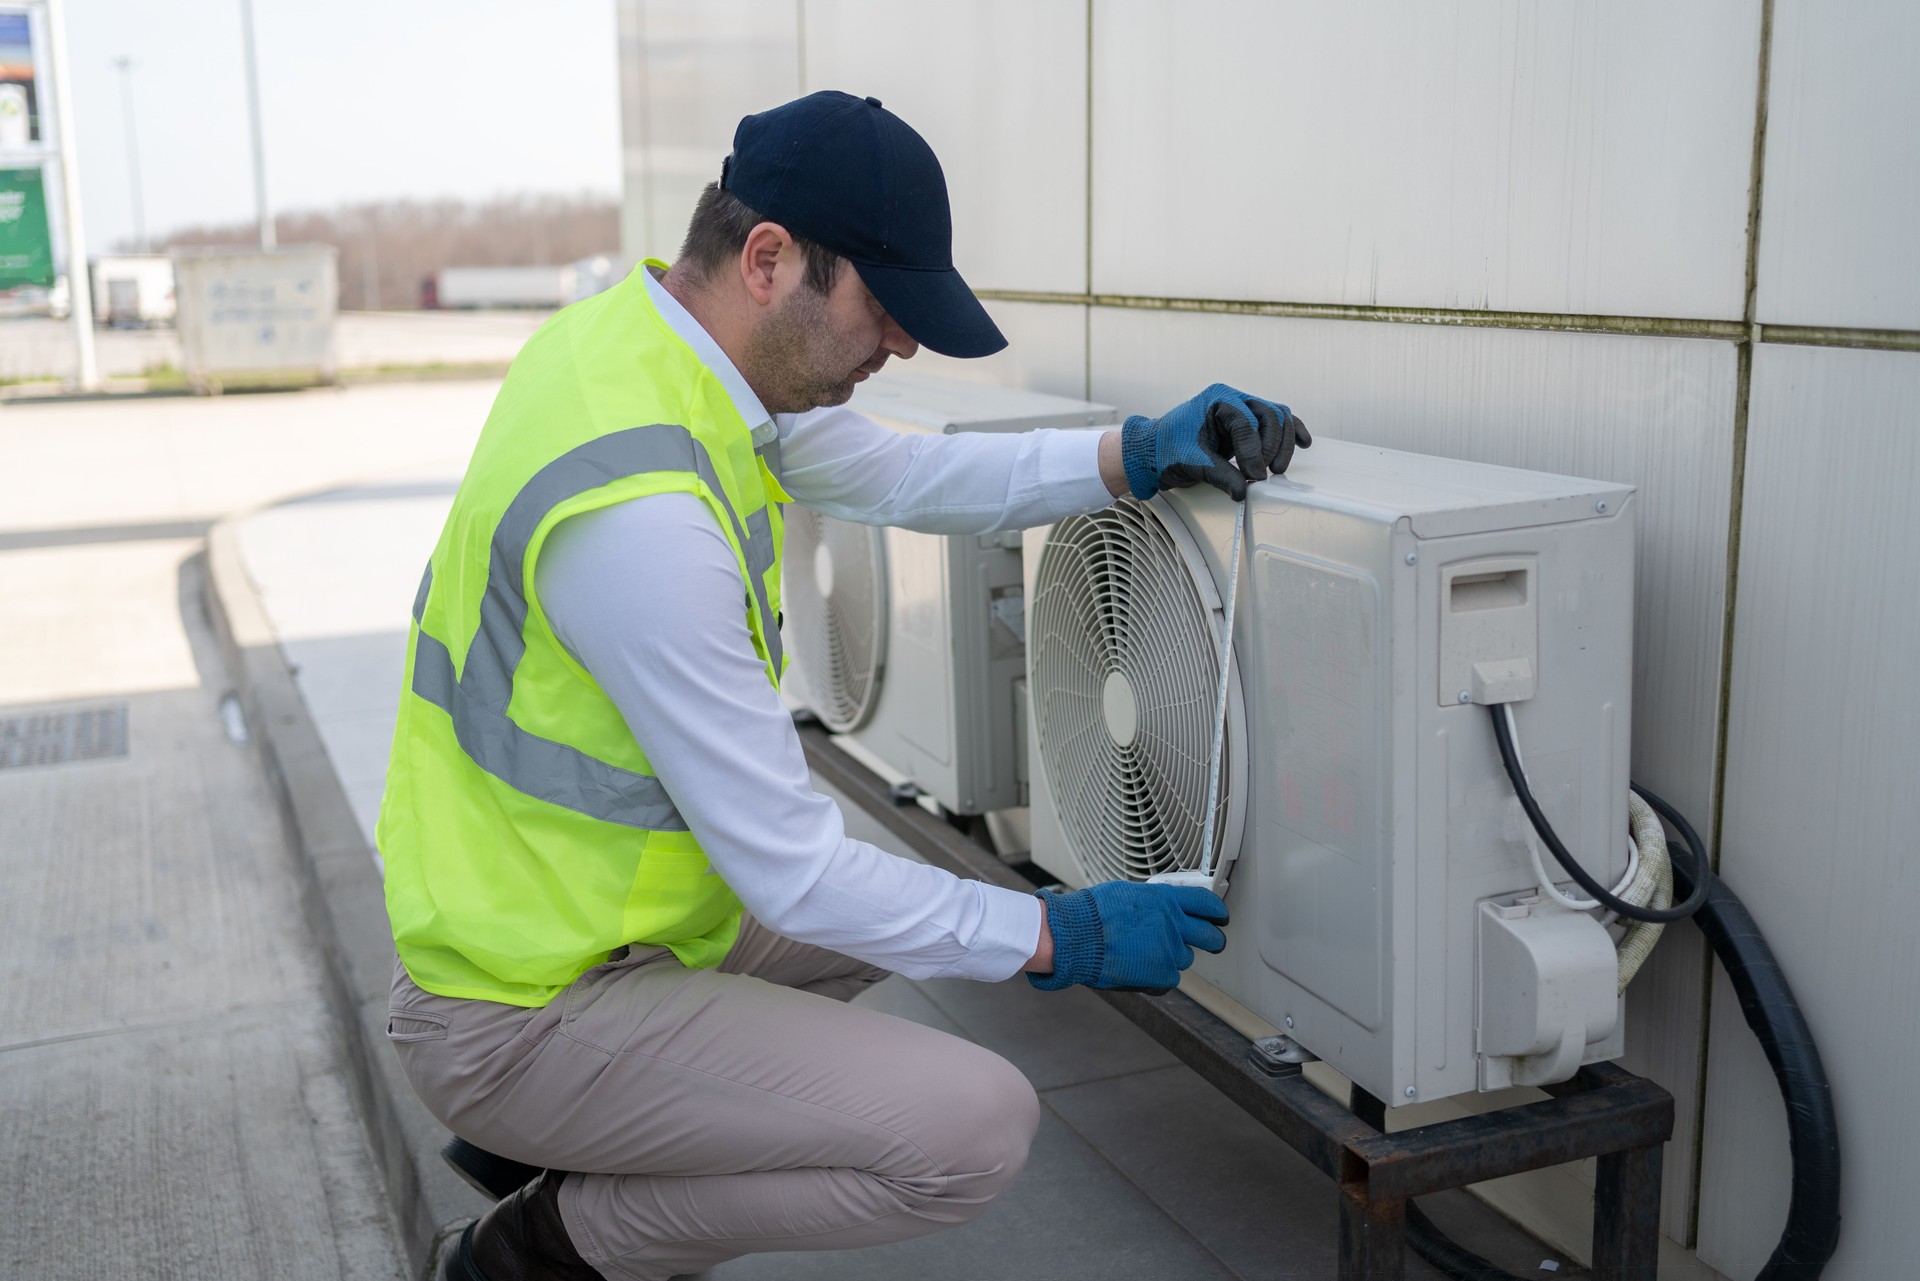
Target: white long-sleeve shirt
646, 596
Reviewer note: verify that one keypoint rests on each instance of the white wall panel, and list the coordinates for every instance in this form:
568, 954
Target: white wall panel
1821, 806
1046, 351
1589, 158
998, 88
1656, 412
1842, 193
703, 64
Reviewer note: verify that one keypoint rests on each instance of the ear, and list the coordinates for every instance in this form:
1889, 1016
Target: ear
759, 257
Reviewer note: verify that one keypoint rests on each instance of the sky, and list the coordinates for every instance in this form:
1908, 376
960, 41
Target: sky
361, 100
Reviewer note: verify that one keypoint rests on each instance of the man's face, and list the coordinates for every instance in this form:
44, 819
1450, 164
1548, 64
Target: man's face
812, 349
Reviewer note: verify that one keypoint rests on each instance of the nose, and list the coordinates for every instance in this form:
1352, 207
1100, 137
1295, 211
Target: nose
897, 341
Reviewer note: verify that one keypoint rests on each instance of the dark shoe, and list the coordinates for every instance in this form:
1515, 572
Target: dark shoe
520, 1239
493, 1177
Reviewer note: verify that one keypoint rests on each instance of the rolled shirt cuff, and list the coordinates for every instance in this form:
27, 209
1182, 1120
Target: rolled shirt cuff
1008, 937
1070, 472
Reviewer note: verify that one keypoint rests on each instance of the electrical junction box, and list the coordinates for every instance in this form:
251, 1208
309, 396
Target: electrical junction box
1385, 906
908, 645
247, 313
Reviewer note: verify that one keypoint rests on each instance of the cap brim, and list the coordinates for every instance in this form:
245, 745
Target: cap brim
936, 309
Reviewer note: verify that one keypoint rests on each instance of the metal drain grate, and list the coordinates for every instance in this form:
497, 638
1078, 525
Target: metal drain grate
54, 738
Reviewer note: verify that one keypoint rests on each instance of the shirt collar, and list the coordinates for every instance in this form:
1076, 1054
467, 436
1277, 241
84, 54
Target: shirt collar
689, 331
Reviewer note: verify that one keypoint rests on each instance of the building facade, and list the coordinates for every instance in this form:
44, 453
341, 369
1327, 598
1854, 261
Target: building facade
1671, 245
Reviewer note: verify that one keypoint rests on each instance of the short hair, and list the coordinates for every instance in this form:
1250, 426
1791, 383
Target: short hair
718, 231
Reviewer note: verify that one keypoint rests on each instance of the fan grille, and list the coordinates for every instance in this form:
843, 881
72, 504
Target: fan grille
834, 591
1125, 755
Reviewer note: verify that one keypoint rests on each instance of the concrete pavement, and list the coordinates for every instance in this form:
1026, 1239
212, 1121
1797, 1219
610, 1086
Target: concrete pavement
176, 1099
173, 1097
35, 348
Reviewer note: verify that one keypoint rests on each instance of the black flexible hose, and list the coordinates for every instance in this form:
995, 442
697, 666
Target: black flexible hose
1443, 1252
1767, 1003
1696, 852
1812, 1230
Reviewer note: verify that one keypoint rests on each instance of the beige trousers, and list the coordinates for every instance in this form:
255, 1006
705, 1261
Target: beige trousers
715, 1113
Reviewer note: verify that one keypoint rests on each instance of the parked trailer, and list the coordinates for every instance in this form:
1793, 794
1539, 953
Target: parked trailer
521, 286
472, 287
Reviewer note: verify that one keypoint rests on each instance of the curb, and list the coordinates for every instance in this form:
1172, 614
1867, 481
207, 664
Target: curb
343, 900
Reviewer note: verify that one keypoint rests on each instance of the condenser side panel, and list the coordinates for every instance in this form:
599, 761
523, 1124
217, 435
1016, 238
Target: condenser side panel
1320, 919
1312, 896
987, 657
912, 725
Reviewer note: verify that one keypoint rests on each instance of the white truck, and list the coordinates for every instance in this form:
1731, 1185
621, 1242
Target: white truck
133, 291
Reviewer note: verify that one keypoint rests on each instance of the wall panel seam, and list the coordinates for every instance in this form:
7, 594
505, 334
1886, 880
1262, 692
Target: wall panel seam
1738, 331
1086, 328
800, 43
1736, 506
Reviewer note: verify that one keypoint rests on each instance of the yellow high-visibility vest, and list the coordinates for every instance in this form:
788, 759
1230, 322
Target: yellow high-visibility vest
524, 833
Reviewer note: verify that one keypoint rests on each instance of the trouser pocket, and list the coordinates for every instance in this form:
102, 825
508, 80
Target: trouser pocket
404, 1026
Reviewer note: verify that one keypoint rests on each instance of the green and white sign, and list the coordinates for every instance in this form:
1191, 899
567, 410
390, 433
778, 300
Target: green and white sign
26, 248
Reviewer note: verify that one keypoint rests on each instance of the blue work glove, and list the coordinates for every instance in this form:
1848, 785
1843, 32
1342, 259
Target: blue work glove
1201, 439
1122, 934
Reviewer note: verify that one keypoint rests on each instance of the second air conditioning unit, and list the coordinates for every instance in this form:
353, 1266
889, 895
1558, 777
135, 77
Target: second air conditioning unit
1383, 898
908, 646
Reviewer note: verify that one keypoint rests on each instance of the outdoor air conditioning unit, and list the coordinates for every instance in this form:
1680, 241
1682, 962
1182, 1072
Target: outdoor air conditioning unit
1383, 897
908, 646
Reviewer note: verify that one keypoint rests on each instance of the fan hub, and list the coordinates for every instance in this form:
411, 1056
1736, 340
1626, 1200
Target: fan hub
1120, 708
823, 571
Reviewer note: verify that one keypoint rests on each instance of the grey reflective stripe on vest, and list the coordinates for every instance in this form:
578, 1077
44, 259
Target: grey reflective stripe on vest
756, 545
420, 597
538, 766
477, 702
759, 547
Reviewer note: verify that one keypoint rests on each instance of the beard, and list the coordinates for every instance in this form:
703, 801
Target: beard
799, 362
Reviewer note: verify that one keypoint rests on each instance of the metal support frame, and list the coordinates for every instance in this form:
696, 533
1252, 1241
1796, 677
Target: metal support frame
1604, 1111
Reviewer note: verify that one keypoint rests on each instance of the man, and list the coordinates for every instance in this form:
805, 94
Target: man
618, 903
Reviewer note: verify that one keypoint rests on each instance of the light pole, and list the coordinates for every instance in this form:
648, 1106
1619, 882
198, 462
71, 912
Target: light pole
133, 155
79, 287
253, 118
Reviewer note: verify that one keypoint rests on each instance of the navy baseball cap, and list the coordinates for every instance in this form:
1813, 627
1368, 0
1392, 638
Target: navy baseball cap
849, 175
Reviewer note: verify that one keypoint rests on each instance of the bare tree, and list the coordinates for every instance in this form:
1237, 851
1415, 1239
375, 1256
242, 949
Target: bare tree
389, 247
